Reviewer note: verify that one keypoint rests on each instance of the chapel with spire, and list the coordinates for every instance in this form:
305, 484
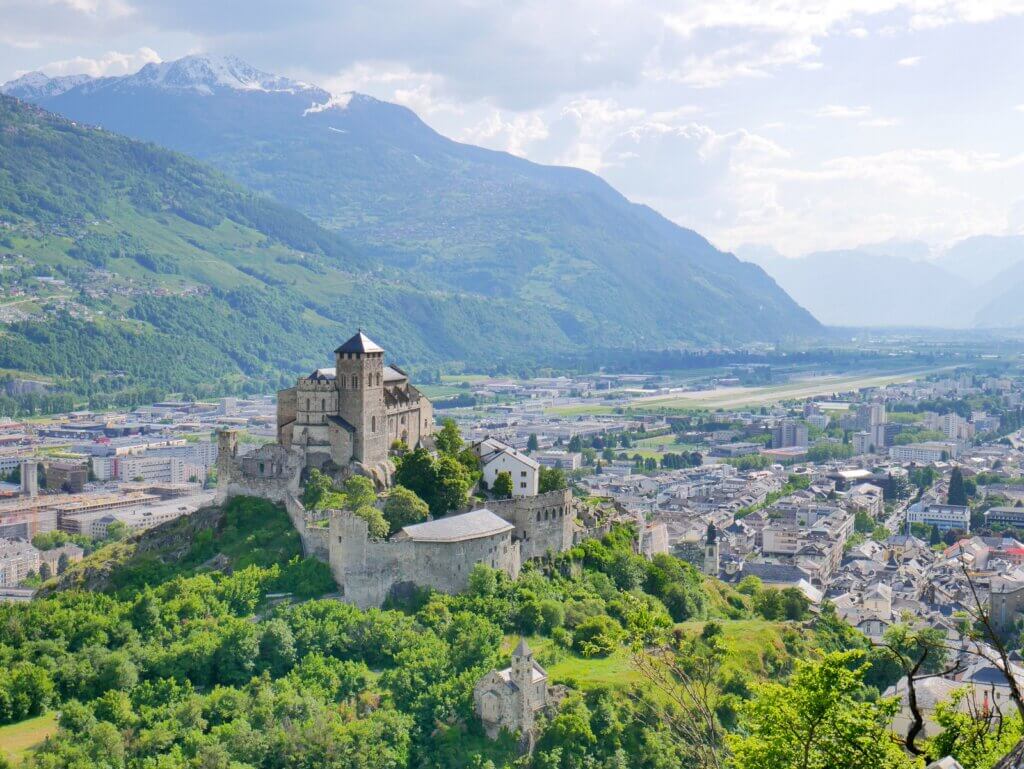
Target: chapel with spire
510, 699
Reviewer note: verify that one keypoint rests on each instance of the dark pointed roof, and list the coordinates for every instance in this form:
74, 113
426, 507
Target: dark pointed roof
360, 342
522, 650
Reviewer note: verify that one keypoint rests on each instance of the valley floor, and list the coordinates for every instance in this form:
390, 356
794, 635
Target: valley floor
807, 387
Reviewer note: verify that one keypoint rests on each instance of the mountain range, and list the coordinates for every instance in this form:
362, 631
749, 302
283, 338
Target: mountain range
974, 283
553, 255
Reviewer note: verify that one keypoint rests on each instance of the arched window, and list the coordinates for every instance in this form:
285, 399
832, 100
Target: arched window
369, 379
323, 404
378, 379
307, 404
373, 424
355, 382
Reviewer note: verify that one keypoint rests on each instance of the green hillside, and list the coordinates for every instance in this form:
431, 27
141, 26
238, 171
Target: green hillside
130, 269
175, 655
450, 216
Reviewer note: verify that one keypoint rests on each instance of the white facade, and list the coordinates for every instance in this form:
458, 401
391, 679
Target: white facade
946, 517
862, 442
498, 457
924, 452
159, 469
17, 559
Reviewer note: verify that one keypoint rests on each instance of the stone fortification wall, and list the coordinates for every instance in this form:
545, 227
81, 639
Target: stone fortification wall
367, 571
271, 472
543, 522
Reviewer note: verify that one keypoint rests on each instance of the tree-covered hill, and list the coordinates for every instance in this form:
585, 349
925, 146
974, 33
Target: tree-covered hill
445, 215
178, 658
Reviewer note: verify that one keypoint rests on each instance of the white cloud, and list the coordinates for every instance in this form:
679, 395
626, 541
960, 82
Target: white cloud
512, 135
110, 63
910, 61
1019, 108
843, 112
880, 122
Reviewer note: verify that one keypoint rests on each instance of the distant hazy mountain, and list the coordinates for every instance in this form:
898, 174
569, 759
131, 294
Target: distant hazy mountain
978, 281
445, 216
980, 259
912, 250
859, 288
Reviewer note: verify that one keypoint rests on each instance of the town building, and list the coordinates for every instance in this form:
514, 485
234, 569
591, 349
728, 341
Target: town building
70, 477
946, 517
925, 453
1004, 516
497, 457
563, 460
789, 432
18, 559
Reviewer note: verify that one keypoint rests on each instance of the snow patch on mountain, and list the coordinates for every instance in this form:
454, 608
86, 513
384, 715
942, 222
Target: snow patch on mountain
38, 85
341, 101
206, 74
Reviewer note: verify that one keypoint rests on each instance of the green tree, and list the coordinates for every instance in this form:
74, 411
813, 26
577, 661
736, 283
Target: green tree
318, 485
531, 443
404, 508
359, 492
448, 439
935, 537
451, 485
597, 636
442, 483
483, 580
502, 486
117, 530
977, 742
818, 719
377, 526
551, 479
957, 493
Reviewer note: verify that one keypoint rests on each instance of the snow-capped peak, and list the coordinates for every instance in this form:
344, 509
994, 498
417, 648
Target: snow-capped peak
38, 85
206, 73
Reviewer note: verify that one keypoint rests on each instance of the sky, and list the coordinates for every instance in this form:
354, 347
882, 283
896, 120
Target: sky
798, 126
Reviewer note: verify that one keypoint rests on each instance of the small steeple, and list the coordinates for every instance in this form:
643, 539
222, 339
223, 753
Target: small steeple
712, 534
522, 650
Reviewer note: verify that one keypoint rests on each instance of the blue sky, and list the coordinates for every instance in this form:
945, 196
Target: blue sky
797, 125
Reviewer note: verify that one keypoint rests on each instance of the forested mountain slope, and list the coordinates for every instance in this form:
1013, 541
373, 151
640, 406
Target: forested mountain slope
127, 265
444, 215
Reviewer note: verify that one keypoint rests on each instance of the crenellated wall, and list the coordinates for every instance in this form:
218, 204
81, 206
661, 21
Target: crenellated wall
543, 523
